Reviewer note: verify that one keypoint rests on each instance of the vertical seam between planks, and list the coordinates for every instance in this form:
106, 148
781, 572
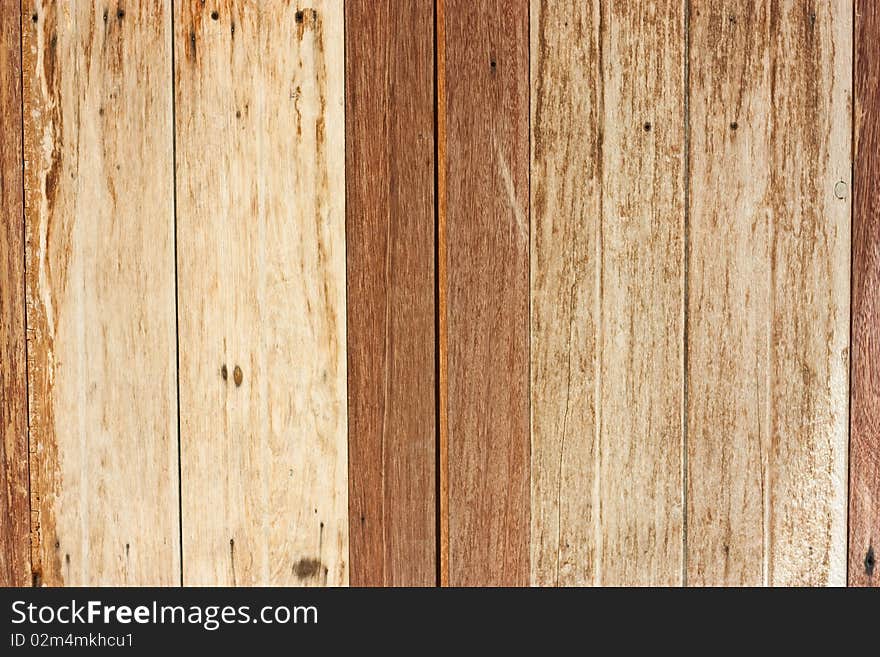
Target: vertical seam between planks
27, 377
767, 452
176, 291
345, 101
686, 293
440, 146
854, 17
345, 257
438, 474
529, 260
597, 357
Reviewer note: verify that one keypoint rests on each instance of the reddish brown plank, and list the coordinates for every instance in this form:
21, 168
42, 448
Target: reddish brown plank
390, 271
486, 95
442, 343
864, 473
14, 506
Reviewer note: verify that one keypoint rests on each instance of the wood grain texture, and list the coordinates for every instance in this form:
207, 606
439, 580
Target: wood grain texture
864, 472
607, 274
100, 292
442, 287
487, 290
391, 306
261, 262
768, 313
15, 557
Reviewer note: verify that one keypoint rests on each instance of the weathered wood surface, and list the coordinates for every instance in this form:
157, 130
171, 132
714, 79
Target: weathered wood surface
15, 557
607, 273
261, 266
768, 292
609, 307
100, 292
487, 290
391, 303
864, 477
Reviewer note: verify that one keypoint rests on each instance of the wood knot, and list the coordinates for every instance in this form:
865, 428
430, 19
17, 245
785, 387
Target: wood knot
237, 376
870, 561
224, 372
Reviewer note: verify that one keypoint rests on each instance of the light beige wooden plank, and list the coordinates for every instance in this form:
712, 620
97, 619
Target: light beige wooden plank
261, 261
770, 99
100, 292
607, 292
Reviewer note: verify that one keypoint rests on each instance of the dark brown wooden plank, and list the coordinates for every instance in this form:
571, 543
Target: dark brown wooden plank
390, 270
14, 505
864, 472
487, 289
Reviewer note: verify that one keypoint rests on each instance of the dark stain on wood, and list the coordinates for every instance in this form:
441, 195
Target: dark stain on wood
307, 568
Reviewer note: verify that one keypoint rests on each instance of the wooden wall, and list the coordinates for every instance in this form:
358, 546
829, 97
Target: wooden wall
536, 292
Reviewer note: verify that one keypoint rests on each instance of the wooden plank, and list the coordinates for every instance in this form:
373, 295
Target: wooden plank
15, 558
487, 264
607, 265
100, 292
442, 306
864, 472
261, 263
390, 259
768, 314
